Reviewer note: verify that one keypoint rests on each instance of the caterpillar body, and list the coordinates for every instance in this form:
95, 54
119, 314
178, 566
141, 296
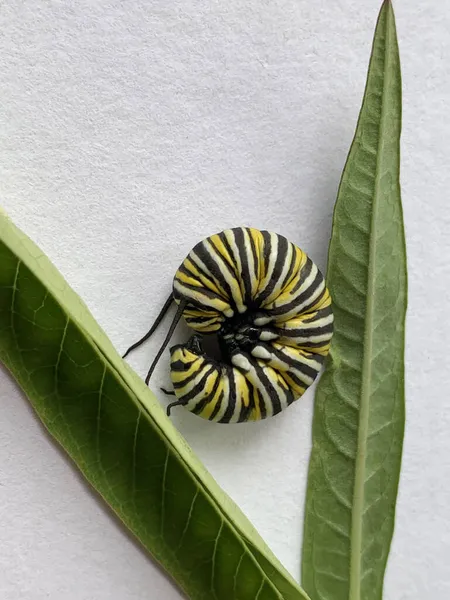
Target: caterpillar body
269, 306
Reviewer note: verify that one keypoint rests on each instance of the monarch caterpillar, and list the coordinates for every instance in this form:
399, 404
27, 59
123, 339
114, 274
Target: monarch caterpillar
269, 306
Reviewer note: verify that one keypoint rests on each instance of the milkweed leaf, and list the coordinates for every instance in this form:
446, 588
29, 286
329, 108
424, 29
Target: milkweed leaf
359, 407
114, 429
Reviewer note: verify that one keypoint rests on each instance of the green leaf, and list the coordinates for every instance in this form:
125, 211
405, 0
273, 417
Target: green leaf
359, 409
116, 432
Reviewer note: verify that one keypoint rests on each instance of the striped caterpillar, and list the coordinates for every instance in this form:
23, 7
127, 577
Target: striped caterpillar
268, 304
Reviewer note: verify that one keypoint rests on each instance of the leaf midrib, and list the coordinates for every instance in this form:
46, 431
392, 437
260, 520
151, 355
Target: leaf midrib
366, 373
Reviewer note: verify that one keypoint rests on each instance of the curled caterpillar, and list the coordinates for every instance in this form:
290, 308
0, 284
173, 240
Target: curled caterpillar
268, 304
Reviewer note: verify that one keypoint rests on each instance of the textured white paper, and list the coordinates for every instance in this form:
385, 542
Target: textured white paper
131, 130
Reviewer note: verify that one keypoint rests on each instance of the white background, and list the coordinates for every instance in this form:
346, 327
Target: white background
130, 131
